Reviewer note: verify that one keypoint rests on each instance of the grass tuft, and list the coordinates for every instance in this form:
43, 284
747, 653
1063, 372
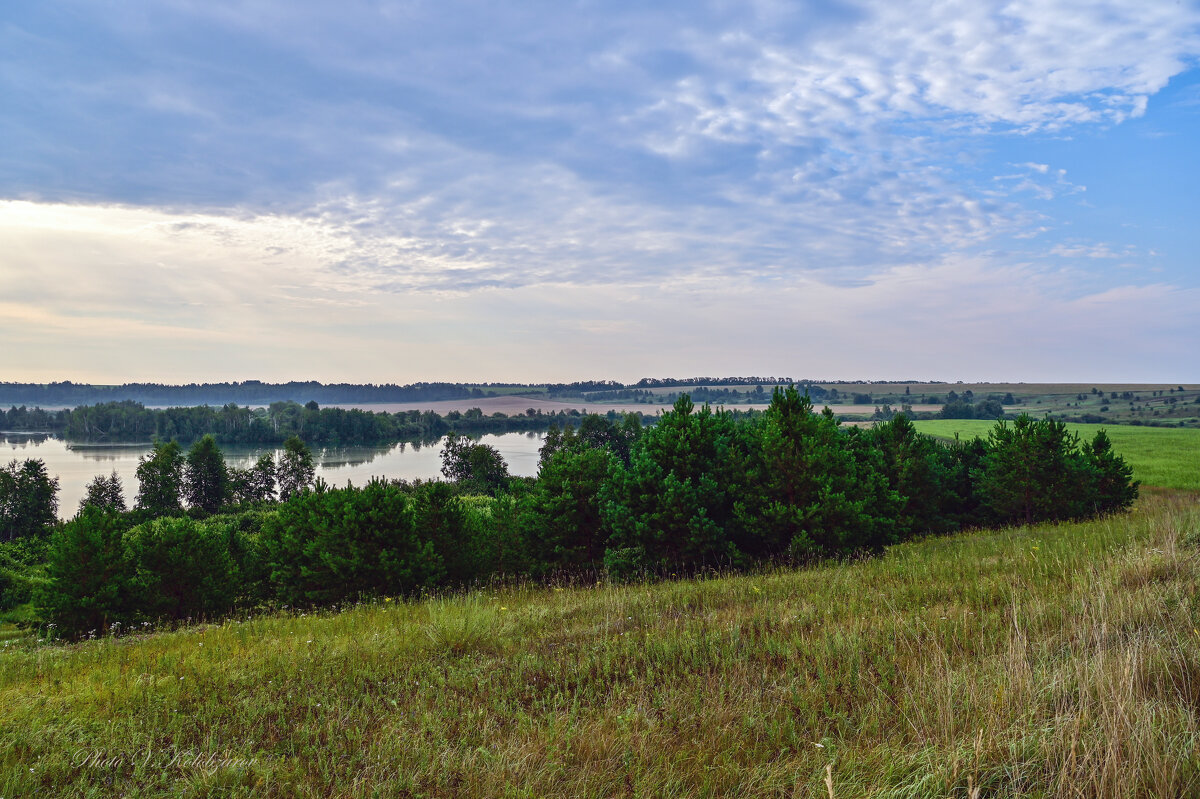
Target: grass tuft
462, 626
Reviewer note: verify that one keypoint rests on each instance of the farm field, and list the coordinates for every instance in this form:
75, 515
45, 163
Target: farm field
1114, 403
1017, 389
1164, 457
1111, 403
1058, 660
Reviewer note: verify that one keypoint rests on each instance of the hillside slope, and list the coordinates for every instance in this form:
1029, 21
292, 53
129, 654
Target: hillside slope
1059, 661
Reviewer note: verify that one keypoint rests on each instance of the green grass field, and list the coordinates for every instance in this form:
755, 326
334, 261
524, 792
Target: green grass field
1160, 456
1062, 660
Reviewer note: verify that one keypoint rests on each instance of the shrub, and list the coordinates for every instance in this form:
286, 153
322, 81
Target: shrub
626, 564
567, 502
439, 518
247, 553
505, 529
22, 570
181, 569
328, 545
919, 471
88, 574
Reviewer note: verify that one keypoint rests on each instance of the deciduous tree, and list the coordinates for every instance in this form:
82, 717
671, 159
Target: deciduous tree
206, 478
28, 499
296, 470
104, 492
160, 480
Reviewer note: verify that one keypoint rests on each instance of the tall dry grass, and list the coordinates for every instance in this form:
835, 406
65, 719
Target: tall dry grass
1057, 661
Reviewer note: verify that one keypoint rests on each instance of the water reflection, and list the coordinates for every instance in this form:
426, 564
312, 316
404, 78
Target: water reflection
76, 463
22, 440
106, 453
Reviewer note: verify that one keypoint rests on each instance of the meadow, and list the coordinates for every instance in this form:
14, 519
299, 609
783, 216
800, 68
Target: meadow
1160, 456
1057, 660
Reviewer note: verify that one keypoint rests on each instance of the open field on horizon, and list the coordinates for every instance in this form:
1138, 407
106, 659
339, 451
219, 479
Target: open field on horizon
1146, 402
1019, 389
1116, 403
1061, 660
1160, 456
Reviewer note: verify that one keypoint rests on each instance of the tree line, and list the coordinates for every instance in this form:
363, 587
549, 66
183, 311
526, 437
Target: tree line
249, 392
274, 424
700, 490
256, 392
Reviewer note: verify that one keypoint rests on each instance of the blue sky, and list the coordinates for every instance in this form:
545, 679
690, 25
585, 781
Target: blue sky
400, 191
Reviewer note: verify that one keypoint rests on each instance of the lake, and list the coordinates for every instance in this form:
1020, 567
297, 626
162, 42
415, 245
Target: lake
75, 463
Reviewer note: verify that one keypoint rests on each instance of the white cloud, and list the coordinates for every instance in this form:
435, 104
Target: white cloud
1101, 251
225, 305
344, 168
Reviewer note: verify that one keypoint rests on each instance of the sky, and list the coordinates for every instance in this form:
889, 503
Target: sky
376, 191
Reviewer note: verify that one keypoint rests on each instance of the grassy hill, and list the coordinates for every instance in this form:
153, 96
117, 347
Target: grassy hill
1062, 660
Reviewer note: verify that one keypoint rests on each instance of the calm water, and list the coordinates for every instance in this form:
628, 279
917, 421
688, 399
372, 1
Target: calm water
76, 464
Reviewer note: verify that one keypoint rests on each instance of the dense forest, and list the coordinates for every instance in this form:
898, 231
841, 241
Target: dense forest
234, 424
701, 490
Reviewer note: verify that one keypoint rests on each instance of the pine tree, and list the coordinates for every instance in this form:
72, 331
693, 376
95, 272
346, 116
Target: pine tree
1032, 471
88, 573
567, 501
812, 488
672, 507
1113, 488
